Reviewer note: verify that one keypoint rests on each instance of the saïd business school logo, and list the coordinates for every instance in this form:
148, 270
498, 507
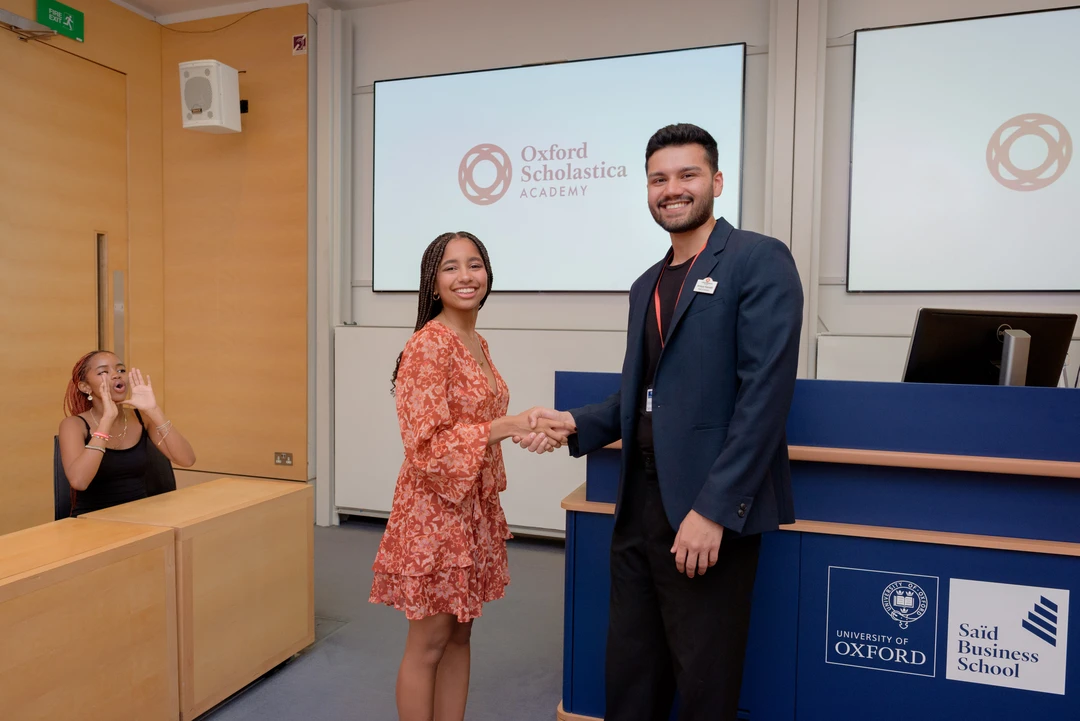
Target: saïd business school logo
486, 172
1043, 620
1002, 634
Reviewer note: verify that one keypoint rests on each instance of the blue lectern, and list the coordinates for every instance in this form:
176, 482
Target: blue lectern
931, 574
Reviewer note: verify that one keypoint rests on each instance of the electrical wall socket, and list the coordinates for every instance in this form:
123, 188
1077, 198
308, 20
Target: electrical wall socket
282, 459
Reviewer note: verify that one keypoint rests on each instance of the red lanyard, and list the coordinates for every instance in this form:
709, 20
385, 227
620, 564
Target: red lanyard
656, 291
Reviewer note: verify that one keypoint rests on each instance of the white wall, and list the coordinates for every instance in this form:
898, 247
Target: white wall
798, 115
425, 37
368, 442
871, 323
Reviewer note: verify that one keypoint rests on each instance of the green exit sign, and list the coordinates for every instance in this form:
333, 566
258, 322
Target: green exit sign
61, 18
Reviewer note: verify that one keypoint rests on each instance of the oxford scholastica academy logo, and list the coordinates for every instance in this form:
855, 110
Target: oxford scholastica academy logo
1047, 132
490, 189
550, 171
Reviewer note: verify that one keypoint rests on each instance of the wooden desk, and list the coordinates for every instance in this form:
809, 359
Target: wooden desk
245, 579
88, 622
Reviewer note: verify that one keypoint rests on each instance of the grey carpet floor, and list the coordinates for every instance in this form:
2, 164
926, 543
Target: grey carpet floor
349, 672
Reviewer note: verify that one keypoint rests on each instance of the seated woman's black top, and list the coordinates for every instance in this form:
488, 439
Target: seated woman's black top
120, 478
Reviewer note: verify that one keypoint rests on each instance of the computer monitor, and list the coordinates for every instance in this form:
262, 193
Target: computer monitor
964, 346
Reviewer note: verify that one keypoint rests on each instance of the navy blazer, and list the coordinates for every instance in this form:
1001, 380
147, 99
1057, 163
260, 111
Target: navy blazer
722, 390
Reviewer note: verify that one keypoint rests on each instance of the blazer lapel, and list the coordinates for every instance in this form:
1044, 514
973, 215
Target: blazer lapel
703, 268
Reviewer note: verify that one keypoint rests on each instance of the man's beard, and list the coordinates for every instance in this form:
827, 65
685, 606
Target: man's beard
700, 214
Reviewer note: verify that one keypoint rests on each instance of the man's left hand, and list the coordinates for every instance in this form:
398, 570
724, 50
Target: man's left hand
697, 544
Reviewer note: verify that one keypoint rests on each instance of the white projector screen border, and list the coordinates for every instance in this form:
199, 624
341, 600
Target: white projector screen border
375, 287
851, 164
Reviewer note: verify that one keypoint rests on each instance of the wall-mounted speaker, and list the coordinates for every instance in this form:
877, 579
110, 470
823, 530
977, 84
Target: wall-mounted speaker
210, 96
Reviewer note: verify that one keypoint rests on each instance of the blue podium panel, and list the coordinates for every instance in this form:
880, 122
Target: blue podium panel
768, 690
984, 504
997, 421
769, 671
574, 389
891, 630
588, 580
1005, 422
847, 628
602, 475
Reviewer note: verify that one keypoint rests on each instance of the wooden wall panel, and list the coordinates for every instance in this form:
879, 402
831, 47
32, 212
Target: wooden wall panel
63, 141
118, 40
236, 250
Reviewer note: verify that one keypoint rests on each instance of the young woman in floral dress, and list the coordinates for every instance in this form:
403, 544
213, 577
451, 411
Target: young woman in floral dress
443, 554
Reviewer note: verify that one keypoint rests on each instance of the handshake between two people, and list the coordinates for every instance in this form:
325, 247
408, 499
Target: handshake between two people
542, 430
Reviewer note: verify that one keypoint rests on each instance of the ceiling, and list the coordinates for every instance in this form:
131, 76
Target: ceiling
209, 8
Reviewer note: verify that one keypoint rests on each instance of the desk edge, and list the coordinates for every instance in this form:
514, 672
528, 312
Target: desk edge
149, 538
198, 522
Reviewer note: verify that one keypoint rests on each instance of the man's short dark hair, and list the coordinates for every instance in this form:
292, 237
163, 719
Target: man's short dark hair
683, 134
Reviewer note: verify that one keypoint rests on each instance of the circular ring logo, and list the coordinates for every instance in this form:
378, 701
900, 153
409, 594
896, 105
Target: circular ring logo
485, 195
1059, 152
904, 601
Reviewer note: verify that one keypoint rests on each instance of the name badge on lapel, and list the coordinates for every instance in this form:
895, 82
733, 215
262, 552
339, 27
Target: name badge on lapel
705, 285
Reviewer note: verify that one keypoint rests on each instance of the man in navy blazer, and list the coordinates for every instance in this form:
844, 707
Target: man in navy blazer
711, 358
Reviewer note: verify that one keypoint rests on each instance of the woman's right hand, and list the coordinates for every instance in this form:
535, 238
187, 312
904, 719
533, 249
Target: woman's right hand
109, 411
519, 425
544, 434
545, 428
556, 432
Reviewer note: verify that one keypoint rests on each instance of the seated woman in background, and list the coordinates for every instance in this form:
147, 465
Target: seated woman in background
103, 439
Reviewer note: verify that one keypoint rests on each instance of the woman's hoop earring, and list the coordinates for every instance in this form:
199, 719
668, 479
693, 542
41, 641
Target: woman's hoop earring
435, 295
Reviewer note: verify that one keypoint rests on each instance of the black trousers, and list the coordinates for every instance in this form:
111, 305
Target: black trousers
666, 631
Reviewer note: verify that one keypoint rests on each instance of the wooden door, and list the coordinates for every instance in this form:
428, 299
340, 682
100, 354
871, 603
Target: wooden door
63, 191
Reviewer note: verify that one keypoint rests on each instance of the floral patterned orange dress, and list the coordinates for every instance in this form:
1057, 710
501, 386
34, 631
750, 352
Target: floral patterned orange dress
444, 549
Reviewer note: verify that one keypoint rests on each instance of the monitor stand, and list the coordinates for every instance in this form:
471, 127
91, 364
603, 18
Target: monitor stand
1014, 358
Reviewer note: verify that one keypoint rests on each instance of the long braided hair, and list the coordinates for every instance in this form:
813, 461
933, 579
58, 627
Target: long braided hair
75, 401
428, 306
